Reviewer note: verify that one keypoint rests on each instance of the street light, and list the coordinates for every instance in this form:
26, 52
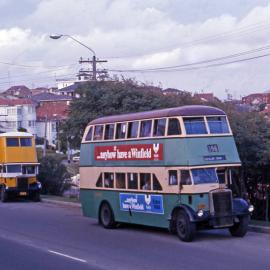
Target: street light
57, 36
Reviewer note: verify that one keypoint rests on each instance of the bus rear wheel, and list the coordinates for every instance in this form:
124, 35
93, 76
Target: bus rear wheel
184, 227
106, 216
240, 229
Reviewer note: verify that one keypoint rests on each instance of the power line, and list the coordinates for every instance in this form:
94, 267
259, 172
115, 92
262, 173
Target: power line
267, 47
239, 32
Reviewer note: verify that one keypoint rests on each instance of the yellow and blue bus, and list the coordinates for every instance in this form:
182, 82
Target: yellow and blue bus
169, 168
18, 166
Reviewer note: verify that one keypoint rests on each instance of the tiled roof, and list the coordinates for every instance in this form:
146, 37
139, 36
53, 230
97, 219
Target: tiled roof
18, 90
72, 87
49, 97
52, 111
14, 102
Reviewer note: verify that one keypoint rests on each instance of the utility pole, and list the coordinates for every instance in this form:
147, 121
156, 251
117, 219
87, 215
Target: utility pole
94, 63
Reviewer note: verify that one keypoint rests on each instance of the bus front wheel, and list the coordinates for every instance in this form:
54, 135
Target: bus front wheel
106, 216
184, 227
240, 229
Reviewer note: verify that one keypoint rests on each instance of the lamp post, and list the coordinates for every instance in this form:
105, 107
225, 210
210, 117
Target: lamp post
94, 61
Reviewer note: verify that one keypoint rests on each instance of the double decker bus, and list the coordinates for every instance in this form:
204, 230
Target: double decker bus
169, 168
18, 166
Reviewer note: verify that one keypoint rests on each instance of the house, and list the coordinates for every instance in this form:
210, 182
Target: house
256, 99
70, 90
172, 91
205, 97
19, 91
51, 111
17, 113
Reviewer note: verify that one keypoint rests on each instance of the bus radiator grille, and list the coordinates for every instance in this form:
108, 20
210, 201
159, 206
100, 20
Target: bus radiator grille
221, 208
22, 184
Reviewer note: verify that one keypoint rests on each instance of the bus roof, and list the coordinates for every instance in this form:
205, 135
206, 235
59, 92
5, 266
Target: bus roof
192, 110
16, 134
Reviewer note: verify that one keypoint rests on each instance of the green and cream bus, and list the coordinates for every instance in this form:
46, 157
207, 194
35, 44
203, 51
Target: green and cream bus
169, 168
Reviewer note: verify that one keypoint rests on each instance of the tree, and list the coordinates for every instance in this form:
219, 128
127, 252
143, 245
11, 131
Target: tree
117, 97
53, 175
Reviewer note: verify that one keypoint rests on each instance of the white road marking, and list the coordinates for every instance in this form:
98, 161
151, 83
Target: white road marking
67, 256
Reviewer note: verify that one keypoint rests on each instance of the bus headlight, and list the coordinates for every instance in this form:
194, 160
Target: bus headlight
251, 208
200, 213
39, 185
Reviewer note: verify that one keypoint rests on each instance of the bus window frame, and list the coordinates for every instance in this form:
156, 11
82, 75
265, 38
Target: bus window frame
151, 130
86, 133
115, 131
138, 129
93, 135
165, 130
180, 125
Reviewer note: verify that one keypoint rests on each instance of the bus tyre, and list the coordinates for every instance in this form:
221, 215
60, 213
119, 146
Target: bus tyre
184, 227
106, 216
240, 229
4, 195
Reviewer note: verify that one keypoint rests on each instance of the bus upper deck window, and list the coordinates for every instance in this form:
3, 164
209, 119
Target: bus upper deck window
108, 180
146, 127
133, 129
173, 178
121, 129
98, 134
12, 142
26, 141
159, 127
195, 125
174, 127
185, 178
132, 180
109, 131
89, 134
218, 124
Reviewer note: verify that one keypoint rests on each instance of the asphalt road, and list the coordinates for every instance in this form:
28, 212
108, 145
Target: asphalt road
44, 236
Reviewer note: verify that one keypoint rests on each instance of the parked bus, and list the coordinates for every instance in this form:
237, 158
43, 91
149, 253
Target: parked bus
169, 168
18, 166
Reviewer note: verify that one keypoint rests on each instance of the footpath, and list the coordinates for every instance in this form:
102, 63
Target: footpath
254, 226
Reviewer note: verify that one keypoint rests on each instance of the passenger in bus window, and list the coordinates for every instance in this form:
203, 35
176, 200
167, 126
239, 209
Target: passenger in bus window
172, 177
108, 180
145, 181
185, 177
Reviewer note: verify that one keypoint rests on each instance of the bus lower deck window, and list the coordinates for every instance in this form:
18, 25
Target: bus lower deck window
99, 181
174, 127
132, 180
173, 177
108, 180
120, 179
145, 181
159, 127
156, 184
185, 177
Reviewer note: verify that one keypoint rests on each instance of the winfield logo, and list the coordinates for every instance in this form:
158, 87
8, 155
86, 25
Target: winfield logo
129, 152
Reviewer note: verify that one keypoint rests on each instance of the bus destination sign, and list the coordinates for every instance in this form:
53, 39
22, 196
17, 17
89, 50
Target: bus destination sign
129, 152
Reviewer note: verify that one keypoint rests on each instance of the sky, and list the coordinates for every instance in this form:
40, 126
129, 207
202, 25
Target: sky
138, 37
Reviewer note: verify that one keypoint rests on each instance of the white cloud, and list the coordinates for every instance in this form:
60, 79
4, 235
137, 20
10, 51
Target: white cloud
145, 30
